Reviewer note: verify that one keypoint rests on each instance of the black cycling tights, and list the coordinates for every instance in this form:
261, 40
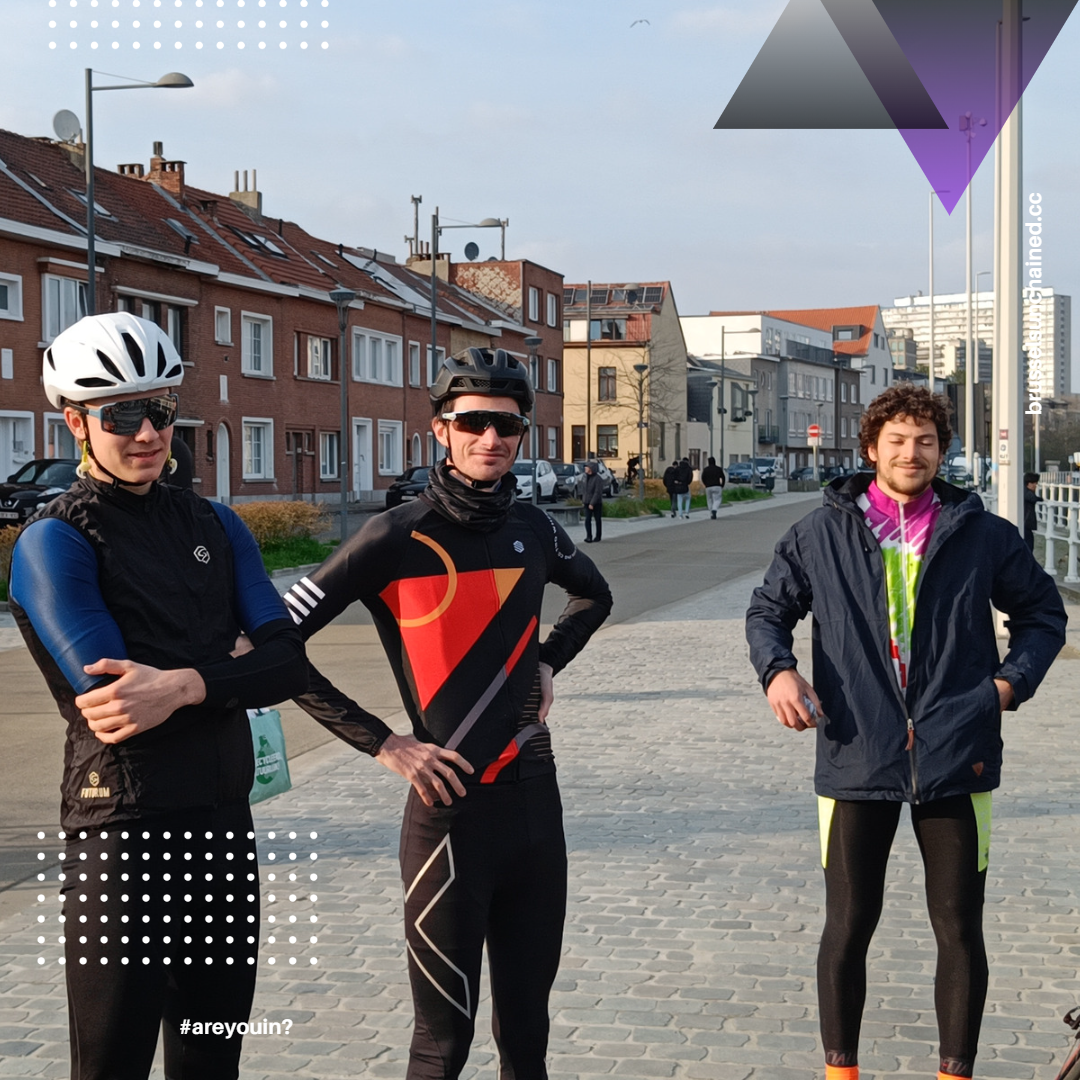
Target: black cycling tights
491, 867
160, 926
858, 843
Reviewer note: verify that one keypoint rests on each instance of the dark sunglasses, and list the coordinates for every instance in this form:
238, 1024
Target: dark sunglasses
477, 421
126, 417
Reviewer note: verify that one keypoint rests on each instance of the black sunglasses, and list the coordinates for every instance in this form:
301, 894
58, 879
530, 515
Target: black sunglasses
126, 417
477, 421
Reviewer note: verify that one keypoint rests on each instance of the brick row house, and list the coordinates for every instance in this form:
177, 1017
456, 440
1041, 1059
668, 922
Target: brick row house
245, 298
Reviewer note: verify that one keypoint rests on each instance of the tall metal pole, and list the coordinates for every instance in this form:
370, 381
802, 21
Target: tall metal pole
588, 371
932, 362
342, 298
641, 370
434, 292
91, 253
1008, 284
970, 363
723, 398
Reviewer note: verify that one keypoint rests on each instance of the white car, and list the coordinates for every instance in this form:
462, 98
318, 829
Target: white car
545, 479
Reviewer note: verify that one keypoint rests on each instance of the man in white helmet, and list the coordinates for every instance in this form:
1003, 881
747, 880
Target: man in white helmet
132, 596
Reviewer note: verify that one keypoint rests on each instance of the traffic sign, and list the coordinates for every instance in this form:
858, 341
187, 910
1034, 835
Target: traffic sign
814, 431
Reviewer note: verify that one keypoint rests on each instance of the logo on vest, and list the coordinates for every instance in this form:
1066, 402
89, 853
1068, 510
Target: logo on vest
519, 547
95, 791
202, 554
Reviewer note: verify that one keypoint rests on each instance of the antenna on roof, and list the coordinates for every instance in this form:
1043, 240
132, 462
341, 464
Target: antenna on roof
66, 125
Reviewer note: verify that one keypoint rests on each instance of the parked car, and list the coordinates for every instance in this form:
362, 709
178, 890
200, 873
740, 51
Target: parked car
611, 485
545, 479
831, 472
569, 477
805, 472
407, 486
34, 485
766, 467
740, 472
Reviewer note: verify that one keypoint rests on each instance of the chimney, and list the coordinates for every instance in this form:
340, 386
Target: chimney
169, 174
251, 201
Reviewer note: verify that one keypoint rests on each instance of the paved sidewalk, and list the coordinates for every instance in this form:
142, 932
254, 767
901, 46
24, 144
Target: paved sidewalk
695, 891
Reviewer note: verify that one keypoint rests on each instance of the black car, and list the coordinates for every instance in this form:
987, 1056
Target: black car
569, 478
35, 484
407, 486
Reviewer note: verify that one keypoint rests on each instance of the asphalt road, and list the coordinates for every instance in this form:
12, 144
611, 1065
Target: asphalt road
647, 566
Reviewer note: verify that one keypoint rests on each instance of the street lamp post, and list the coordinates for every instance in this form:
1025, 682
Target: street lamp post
817, 457
436, 230
173, 81
641, 370
532, 344
342, 298
967, 125
753, 393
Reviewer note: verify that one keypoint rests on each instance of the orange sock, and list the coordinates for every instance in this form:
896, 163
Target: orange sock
841, 1072
951, 1076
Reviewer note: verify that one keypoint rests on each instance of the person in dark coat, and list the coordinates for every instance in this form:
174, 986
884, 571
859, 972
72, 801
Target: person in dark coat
684, 476
1031, 500
712, 476
909, 694
669, 483
592, 496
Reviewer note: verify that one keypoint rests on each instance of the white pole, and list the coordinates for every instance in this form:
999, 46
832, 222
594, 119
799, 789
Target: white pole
970, 361
932, 362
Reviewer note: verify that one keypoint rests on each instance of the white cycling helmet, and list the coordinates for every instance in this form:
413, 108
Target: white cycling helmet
103, 355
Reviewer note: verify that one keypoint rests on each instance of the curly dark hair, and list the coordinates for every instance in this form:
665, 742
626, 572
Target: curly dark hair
900, 401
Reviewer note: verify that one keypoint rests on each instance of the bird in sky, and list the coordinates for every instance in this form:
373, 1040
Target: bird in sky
636, 21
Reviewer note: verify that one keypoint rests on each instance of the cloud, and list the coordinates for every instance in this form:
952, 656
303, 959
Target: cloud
747, 20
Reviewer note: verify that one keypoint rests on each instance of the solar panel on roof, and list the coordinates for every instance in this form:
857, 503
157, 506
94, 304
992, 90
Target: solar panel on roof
654, 294
599, 296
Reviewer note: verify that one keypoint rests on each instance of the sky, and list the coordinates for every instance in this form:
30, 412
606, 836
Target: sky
592, 135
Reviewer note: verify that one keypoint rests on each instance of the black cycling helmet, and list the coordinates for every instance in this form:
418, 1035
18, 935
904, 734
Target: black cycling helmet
492, 372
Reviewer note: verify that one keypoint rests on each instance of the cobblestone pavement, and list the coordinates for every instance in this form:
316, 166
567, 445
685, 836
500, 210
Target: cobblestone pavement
695, 891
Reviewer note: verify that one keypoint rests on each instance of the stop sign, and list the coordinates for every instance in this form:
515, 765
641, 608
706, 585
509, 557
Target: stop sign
814, 431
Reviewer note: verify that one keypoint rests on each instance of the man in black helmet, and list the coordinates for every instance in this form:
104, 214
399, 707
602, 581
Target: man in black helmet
455, 581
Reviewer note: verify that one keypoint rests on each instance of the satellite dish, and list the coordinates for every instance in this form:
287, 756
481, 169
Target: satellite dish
493, 258
471, 250
66, 125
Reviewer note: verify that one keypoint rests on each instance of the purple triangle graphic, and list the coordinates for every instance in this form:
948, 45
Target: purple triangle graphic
952, 46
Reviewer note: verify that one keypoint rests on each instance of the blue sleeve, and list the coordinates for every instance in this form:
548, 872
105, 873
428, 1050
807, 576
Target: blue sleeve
257, 601
54, 579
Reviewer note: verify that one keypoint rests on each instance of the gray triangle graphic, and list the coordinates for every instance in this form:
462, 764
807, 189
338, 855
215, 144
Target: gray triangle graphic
805, 77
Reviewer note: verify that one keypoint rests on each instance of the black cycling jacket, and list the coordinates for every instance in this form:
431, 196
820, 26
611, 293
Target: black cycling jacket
455, 581
166, 579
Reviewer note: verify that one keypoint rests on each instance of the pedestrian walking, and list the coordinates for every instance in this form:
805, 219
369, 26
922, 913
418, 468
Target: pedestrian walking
899, 570
670, 474
455, 581
684, 477
593, 498
712, 476
132, 595
1031, 500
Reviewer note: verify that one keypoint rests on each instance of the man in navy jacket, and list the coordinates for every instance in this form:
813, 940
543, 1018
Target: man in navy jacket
900, 571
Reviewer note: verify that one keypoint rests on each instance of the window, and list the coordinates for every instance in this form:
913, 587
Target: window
414, 366
607, 440
257, 344
552, 309
11, 297
318, 358
843, 427
223, 325
552, 374
174, 326
605, 390
417, 450
150, 310
854, 393
63, 303
329, 455
434, 449
126, 303
434, 364
376, 358
534, 371
59, 442
389, 447
258, 448
607, 330
534, 304
843, 392
553, 443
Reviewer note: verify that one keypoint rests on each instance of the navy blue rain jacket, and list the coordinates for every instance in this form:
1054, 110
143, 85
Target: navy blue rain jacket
830, 563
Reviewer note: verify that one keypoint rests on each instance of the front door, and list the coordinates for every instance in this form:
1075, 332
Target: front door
363, 483
224, 464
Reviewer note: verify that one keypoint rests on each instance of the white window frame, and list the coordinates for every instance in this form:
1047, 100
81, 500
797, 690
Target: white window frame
265, 369
266, 425
534, 304
552, 375
433, 371
390, 451
552, 309
376, 358
329, 455
414, 363
174, 327
78, 286
553, 443
218, 313
51, 421
13, 310
417, 449
318, 358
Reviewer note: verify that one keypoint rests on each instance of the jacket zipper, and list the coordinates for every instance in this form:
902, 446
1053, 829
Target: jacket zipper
906, 666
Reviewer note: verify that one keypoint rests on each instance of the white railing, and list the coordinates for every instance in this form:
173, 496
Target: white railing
1058, 517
